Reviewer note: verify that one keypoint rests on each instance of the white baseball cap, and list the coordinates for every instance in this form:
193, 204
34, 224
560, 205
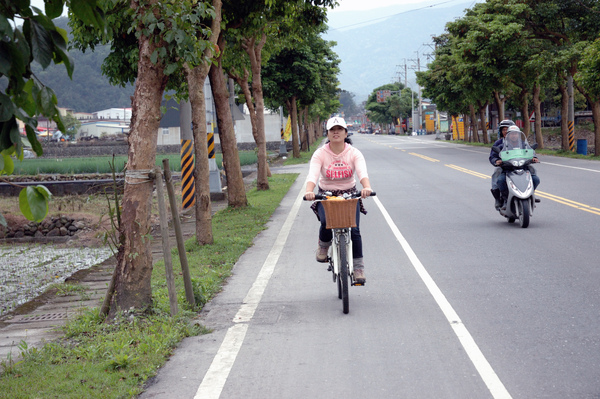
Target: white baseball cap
336, 121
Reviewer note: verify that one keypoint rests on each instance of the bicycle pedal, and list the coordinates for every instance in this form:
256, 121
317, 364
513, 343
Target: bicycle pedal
358, 284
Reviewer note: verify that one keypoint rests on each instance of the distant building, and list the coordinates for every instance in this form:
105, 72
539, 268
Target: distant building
82, 116
113, 114
101, 129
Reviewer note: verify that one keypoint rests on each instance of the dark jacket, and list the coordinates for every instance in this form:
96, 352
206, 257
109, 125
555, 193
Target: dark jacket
494, 156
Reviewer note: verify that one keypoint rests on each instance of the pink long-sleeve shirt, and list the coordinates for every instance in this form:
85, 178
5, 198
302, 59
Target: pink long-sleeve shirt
336, 172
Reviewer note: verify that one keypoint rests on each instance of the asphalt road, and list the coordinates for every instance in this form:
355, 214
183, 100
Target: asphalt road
458, 302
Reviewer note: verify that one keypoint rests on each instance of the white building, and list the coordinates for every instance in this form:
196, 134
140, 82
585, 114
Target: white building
114, 114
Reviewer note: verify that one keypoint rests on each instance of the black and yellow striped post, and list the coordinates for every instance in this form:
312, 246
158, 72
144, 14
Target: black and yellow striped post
188, 197
210, 141
571, 135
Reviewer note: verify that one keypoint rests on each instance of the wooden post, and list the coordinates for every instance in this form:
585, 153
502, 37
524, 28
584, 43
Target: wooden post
187, 280
164, 230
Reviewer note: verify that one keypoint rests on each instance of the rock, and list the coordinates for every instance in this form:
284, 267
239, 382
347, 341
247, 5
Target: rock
79, 224
63, 231
55, 232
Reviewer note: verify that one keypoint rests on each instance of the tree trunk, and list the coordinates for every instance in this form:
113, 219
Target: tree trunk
564, 122
595, 103
500, 105
236, 192
596, 116
293, 112
254, 51
524, 111
134, 261
196, 78
539, 138
203, 205
482, 123
474, 129
303, 129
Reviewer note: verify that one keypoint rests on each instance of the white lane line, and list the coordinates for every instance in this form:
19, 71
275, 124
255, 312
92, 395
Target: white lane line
486, 372
572, 167
214, 380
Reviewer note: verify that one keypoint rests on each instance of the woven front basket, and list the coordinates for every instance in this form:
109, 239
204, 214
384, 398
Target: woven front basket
340, 214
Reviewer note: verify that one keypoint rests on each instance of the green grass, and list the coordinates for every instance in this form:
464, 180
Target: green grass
96, 359
101, 164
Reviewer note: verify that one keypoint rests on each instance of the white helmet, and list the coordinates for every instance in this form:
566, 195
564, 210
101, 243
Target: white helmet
336, 121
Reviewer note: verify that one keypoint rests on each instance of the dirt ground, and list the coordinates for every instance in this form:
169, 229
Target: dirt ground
554, 142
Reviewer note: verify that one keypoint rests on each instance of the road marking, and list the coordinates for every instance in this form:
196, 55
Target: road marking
568, 202
471, 172
572, 167
488, 375
214, 380
424, 157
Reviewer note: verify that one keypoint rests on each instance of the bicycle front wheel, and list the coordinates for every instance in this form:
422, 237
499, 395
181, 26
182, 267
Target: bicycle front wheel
343, 248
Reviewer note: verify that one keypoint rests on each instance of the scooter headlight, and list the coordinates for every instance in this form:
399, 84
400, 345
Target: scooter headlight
518, 163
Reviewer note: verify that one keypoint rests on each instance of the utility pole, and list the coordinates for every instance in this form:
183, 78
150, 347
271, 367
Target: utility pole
420, 110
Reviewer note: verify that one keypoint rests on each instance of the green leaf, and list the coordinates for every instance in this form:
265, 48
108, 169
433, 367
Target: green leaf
5, 58
41, 44
58, 119
7, 108
5, 27
33, 140
33, 202
3, 221
60, 52
88, 12
7, 165
171, 68
54, 8
47, 101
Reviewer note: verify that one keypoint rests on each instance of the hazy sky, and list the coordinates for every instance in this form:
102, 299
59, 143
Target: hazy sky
345, 5
359, 5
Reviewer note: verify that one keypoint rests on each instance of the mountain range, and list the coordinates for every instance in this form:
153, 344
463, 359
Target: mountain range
374, 49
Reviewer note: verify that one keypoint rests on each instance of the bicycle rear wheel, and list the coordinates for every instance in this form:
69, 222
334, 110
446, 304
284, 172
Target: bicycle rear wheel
343, 277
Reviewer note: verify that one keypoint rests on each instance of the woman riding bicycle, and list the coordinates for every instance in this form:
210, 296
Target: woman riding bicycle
332, 167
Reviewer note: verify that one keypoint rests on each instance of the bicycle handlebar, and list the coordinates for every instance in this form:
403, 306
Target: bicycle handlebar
354, 195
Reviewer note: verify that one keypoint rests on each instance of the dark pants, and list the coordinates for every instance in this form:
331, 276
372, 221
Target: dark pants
326, 235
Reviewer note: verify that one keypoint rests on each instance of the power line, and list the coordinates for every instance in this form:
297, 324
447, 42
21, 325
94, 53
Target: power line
393, 15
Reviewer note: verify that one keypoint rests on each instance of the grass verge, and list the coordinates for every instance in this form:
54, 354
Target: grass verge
96, 359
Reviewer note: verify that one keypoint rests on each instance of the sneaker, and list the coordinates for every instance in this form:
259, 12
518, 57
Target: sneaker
322, 254
359, 276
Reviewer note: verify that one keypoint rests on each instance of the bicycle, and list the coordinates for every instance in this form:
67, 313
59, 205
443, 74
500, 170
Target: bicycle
340, 215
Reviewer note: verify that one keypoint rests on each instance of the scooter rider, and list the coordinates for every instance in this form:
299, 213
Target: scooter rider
496, 161
513, 136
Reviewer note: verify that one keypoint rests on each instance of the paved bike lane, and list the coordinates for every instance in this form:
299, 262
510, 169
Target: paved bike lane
293, 340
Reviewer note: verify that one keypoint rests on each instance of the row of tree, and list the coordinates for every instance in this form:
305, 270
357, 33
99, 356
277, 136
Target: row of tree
515, 49
398, 106
272, 49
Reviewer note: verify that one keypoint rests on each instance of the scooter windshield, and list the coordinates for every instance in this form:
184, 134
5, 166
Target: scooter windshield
516, 146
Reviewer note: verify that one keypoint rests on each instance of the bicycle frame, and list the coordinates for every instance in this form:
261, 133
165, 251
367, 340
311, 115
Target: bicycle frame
334, 252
